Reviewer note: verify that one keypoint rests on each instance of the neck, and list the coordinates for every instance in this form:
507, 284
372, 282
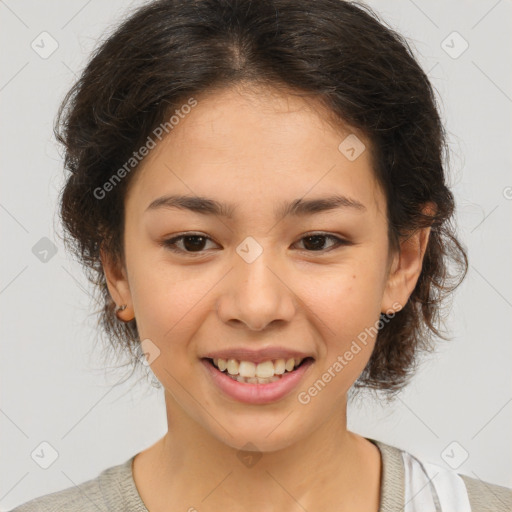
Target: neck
329, 469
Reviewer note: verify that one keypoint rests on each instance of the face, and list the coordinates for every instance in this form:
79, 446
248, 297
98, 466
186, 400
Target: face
289, 252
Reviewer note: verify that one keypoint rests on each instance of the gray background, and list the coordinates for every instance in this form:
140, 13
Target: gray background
54, 386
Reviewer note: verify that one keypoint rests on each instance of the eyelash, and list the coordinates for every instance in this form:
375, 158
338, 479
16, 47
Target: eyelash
170, 243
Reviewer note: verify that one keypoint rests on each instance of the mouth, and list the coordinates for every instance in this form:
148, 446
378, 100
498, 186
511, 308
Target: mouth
274, 385
270, 382
266, 372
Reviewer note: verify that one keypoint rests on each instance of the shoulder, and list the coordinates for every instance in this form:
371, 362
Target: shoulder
423, 485
110, 490
485, 496
85, 497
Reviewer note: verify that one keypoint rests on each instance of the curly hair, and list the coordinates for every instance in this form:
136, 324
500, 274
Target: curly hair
336, 51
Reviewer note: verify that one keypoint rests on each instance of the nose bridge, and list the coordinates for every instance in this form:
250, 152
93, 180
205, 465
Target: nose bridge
256, 294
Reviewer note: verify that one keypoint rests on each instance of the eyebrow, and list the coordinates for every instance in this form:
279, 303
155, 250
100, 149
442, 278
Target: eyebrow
297, 207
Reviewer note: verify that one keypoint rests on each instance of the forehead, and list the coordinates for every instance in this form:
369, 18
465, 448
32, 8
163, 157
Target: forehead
257, 142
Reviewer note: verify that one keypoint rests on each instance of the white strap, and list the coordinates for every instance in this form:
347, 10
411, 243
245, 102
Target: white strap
432, 488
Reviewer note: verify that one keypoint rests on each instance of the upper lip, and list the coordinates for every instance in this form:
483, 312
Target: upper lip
257, 356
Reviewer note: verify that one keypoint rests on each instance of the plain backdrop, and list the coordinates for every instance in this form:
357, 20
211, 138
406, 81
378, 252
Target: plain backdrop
54, 389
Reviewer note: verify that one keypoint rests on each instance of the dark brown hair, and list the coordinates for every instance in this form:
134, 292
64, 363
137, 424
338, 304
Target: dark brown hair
335, 51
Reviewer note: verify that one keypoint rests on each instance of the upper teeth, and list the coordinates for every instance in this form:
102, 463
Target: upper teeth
265, 369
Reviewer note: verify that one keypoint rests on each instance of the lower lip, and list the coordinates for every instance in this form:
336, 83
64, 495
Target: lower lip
257, 393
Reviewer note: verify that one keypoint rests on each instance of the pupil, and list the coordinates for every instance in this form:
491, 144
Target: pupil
318, 242
194, 242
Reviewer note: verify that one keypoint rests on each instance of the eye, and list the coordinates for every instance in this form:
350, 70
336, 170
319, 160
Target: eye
316, 242
194, 244
190, 243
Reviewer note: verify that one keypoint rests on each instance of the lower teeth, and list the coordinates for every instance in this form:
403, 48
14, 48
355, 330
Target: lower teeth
254, 380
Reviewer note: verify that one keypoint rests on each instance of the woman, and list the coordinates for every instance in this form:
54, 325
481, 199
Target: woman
257, 189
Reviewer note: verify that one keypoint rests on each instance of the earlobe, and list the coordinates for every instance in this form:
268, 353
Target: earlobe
405, 270
118, 287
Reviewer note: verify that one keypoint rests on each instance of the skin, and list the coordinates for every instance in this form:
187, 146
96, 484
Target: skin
255, 148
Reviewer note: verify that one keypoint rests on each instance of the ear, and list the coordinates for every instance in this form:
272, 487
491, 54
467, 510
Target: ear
118, 286
405, 269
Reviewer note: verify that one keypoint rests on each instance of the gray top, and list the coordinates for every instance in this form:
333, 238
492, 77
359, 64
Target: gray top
114, 490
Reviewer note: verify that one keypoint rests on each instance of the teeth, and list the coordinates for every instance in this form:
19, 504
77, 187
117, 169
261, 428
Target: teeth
254, 380
232, 366
289, 365
279, 367
263, 370
248, 370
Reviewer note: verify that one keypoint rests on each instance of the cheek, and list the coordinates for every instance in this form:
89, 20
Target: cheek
346, 297
165, 307
345, 308
166, 299
170, 313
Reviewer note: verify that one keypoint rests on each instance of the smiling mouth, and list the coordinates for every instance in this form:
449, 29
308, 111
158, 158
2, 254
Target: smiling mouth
266, 372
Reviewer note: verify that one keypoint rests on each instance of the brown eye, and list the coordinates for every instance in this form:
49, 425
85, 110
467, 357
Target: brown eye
316, 242
190, 244
187, 243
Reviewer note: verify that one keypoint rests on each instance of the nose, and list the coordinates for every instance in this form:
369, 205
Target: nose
256, 295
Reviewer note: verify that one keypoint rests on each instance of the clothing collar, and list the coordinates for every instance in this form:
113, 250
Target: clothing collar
392, 491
